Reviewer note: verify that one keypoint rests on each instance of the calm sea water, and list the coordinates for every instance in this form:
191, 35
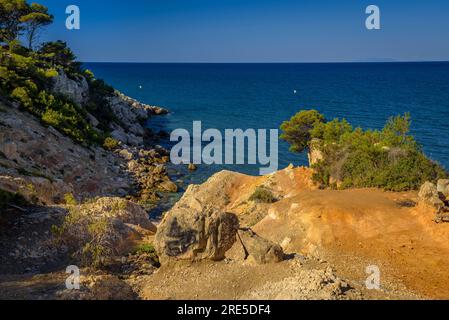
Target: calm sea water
262, 96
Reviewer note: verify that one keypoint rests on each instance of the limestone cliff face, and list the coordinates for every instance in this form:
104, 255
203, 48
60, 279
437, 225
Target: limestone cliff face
132, 113
77, 90
42, 164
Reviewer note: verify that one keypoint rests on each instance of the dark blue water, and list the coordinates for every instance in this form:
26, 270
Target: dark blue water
262, 96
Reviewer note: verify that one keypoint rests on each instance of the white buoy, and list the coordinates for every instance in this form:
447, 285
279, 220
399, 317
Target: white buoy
294, 91
140, 87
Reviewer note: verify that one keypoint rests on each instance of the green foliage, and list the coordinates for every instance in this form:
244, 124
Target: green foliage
11, 12
57, 53
330, 132
354, 158
98, 104
87, 236
149, 250
143, 248
25, 76
296, 131
97, 250
110, 144
263, 195
89, 75
70, 200
66, 117
21, 94
36, 18
25, 80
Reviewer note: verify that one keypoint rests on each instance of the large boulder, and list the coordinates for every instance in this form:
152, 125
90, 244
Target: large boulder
443, 187
428, 195
255, 249
106, 228
119, 134
188, 233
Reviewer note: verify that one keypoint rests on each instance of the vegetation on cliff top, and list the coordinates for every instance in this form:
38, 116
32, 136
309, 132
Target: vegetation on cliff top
355, 158
26, 75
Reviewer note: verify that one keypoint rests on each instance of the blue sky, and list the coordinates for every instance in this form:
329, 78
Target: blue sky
252, 31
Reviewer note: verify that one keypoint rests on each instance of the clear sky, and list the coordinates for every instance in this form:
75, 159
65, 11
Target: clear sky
253, 30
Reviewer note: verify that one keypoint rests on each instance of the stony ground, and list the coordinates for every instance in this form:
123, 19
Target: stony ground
329, 238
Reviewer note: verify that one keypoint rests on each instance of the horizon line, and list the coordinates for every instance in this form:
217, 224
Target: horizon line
274, 62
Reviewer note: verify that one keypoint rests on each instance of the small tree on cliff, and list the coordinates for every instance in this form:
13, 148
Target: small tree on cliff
37, 18
59, 54
297, 131
17, 17
10, 13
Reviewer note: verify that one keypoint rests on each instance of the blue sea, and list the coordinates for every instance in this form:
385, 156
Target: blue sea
256, 96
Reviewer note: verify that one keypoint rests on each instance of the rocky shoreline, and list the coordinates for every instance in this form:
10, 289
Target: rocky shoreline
42, 157
233, 237
52, 174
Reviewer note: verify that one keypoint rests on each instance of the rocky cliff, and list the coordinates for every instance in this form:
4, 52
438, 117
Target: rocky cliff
43, 165
72, 206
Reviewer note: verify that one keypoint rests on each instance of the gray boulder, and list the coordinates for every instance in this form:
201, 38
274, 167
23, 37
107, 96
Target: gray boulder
251, 247
189, 234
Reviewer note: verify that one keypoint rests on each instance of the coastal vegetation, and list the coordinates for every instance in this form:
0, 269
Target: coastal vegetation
263, 195
355, 158
27, 74
110, 144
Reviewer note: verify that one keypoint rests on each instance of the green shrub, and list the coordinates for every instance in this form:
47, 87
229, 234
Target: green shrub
147, 249
25, 76
89, 75
263, 195
70, 199
297, 131
110, 144
87, 237
21, 94
99, 105
354, 158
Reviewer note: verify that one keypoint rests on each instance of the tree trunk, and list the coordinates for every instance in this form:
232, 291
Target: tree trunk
31, 38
